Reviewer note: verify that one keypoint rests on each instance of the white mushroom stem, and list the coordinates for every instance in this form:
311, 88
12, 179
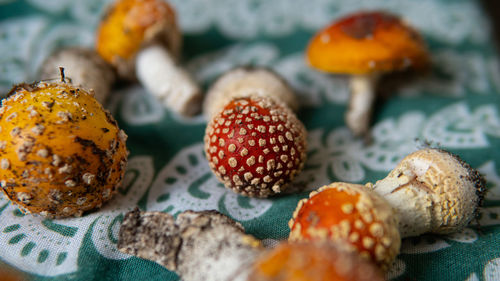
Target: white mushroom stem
433, 191
84, 68
362, 98
245, 82
158, 72
203, 245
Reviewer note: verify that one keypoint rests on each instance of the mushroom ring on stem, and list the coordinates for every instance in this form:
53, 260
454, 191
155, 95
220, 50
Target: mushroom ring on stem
366, 45
61, 152
255, 146
141, 39
209, 246
244, 82
84, 68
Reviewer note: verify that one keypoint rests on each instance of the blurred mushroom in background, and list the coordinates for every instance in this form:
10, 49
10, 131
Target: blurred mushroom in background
366, 45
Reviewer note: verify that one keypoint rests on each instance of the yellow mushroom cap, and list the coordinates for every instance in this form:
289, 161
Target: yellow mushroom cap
61, 153
367, 42
130, 25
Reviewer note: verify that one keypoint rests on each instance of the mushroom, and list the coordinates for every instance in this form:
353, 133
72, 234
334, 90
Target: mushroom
84, 68
203, 245
312, 262
61, 152
350, 214
433, 191
141, 39
255, 146
246, 81
366, 45
209, 246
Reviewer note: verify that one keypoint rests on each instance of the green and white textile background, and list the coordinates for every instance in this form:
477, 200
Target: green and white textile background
455, 107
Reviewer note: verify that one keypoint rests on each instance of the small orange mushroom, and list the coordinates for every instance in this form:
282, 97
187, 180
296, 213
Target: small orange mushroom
61, 153
141, 39
351, 214
366, 45
312, 262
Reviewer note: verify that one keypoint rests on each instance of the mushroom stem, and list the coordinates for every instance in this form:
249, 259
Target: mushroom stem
173, 86
196, 245
433, 191
358, 115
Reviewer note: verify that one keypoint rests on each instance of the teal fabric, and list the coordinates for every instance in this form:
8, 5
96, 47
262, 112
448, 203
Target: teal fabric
455, 106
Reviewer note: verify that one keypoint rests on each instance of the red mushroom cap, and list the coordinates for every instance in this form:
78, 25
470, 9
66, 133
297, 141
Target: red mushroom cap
255, 146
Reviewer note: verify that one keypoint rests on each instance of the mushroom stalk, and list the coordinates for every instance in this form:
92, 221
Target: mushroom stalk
433, 191
196, 245
362, 98
173, 86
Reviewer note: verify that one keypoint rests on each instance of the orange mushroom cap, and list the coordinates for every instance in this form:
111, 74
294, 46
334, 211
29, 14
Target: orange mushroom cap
367, 42
61, 153
312, 262
351, 214
130, 24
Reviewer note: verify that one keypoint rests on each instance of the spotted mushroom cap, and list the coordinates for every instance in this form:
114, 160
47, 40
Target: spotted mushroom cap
61, 153
367, 42
434, 191
255, 146
246, 81
312, 262
129, 25
351, 214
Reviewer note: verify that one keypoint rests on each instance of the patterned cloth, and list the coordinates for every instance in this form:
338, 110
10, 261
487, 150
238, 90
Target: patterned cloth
456, 107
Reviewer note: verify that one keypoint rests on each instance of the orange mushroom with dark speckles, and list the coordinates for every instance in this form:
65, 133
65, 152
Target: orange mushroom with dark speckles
61, 152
